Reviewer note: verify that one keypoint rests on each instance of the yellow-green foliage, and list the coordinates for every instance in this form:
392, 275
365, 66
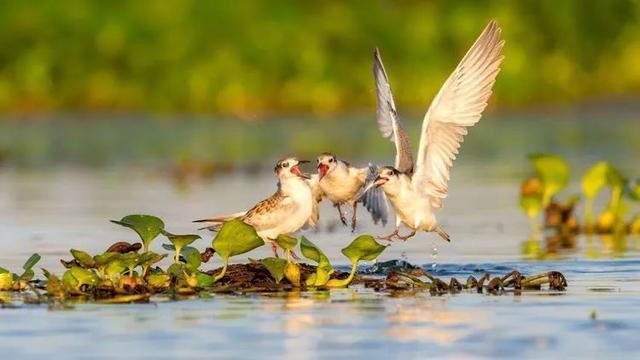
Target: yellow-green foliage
254, 56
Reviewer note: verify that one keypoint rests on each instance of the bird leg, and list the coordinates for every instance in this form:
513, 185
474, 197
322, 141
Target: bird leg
390, 236
410, 235
353, 217
342, 217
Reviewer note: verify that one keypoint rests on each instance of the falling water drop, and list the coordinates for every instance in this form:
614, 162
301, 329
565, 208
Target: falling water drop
403, 256
434, 258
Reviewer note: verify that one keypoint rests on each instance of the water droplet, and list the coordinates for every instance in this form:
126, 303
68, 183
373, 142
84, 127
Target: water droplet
403, 256
434, 258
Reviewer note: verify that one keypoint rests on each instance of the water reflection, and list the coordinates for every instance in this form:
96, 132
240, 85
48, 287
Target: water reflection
588, 246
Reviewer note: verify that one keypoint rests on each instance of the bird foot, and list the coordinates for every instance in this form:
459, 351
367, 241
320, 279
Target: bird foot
389, 237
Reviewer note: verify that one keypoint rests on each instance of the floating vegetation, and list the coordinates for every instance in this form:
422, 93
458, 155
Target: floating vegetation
538, 195
129, 272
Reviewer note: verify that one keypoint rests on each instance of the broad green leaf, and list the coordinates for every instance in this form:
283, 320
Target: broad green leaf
180, 241
84, 276
176, 270
312, 252
169, 247
192, 256
275, 267
6, 281
148, 227
364, 247
115, 267
105, 258
235, 238
554, 173
595, 179
204, 280
83, 258
31, 262
27, 274
149, 258
286, 242
3, 270
311, 280
69, 280
159, 280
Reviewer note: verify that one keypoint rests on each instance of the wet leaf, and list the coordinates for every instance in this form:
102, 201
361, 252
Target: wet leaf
148, 227
292, 273
76, 277
275, 266
235, 238
554, 173
364, 247
83, 258
115, 267
286, 242
31, 262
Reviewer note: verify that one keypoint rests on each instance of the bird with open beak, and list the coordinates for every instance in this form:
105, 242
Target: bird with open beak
285, 212
415, 192
342, 183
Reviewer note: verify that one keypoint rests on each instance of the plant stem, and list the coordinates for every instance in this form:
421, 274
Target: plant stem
224, 270
176, 258
343, 283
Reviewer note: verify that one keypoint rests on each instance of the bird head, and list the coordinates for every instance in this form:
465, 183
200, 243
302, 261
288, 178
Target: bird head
387, 176
288, 168
326, 163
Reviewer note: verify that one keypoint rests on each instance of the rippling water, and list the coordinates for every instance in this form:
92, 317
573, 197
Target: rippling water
52, 210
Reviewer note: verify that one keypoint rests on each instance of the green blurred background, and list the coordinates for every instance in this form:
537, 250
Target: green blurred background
253, 58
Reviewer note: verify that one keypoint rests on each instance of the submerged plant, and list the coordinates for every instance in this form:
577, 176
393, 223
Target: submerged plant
323, 269
234, 238
364, 247
148, 227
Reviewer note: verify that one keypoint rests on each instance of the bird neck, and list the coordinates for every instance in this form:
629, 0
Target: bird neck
292, 185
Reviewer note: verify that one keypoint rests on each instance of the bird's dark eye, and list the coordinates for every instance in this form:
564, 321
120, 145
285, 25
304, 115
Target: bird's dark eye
331, 160
285, 164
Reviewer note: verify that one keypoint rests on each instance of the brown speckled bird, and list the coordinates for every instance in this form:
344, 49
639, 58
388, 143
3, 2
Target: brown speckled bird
287, 211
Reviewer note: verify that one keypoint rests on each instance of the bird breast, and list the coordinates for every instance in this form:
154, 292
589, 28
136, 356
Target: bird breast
340, 186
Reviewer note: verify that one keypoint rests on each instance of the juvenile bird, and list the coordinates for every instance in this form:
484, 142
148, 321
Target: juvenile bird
285, 212
415, 190
342, 184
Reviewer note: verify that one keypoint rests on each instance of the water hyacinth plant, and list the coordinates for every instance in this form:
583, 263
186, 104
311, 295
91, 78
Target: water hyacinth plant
11, 281
364, 247
234, 238
148, 227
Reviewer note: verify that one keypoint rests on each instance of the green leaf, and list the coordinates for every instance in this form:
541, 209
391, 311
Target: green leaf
180, 241
31, 262
312, 252
275, 267
364, 247
3, 270
554, 173
115, 267
595, 179
84, 276
149, 258
192, 256
148, 227
159, 280
176, 270
204, 280
286, 242
235, 238
83, 258
105, 258
169, 247
27, 274
633, 190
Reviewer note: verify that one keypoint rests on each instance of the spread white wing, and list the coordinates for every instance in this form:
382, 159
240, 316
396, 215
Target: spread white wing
458, 105
388, 122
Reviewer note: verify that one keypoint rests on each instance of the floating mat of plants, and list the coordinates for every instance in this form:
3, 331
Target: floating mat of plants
128, 272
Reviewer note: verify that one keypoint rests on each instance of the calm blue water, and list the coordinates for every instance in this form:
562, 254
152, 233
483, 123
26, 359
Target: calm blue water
52, 209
